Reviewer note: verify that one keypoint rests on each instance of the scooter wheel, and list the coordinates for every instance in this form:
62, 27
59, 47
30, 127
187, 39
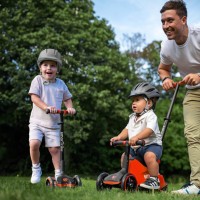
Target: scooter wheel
50, 181
77, 180
99, 183
164, 188
128, 182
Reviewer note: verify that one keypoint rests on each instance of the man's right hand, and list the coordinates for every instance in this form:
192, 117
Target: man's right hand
168, 84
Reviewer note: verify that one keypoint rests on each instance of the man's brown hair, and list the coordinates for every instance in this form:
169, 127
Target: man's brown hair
178, 5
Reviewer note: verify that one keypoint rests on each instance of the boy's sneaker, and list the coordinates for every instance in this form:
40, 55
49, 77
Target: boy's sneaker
151, 183
188, 189
36, 175
56, 176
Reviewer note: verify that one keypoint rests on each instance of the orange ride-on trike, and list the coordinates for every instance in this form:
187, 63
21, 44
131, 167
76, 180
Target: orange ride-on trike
135, 171
63, 181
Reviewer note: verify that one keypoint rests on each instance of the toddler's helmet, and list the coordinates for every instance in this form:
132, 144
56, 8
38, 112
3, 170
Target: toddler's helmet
50, 54
148, 91
145, 89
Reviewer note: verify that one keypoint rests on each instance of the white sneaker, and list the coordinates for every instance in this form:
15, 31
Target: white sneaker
36, 175
188, 189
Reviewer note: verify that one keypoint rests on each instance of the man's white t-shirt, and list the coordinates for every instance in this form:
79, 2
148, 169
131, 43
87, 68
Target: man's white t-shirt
186, 57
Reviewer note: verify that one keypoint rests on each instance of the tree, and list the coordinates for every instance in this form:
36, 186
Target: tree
99, 76
96, 72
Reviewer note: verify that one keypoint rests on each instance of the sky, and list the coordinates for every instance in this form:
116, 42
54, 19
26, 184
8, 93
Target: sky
140, 16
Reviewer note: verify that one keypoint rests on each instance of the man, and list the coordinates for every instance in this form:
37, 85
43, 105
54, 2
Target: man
182, 48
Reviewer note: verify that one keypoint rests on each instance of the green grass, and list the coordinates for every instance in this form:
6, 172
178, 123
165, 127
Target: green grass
20, 188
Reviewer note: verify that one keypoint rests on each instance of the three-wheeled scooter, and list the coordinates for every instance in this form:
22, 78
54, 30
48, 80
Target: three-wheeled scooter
63, 181
135, 171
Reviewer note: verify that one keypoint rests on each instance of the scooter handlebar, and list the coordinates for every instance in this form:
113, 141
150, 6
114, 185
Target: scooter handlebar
58, 112
180, 83
126, 143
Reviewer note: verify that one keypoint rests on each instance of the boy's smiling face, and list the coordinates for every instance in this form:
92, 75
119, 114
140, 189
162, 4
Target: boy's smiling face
49, 69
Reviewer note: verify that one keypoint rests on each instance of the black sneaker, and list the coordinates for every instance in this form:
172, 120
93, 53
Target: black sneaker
151, 183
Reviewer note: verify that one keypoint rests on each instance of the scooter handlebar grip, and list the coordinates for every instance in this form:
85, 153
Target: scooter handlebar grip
180, 83
126, 142
140, 142
57, 112
120, 143
62, 112
47, 111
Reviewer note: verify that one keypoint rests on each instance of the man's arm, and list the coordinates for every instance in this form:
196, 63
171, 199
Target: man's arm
164, 72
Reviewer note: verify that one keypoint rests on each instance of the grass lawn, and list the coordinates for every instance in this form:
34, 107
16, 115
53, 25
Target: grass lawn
20, 188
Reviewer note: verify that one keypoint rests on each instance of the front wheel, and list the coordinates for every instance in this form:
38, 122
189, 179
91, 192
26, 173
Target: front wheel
99, 183
77, 180
50, 181
128, 182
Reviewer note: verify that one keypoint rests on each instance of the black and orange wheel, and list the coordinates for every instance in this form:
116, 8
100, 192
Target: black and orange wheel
99, 183
128, 182
50, 181
77, 180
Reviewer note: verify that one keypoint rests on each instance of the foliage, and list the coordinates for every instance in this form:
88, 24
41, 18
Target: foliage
98, 75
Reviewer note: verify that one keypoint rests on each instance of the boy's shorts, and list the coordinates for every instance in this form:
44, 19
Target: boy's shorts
52, 136
155, 148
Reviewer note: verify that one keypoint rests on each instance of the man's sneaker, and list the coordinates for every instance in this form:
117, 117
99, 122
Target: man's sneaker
188, 189
151, 183
36, 175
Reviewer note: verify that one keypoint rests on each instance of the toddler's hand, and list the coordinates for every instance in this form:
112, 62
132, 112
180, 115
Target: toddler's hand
116, 138
133, 140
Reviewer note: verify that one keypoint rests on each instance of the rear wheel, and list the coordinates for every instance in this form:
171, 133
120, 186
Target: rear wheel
50, 181
164, 188
99, 183
77, 180
128, 182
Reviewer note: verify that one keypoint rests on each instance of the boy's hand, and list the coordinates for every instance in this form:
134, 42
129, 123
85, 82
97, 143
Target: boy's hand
71, 111
51, 109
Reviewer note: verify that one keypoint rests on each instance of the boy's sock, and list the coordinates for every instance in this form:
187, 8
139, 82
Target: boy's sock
57, 173
36, 165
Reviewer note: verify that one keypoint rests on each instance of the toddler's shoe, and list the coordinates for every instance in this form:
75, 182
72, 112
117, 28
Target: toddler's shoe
151, 183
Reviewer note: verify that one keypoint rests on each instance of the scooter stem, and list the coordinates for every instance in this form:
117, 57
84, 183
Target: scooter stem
167, 118
62, 164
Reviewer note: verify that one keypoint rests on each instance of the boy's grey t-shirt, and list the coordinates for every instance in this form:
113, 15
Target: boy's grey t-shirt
53, 94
